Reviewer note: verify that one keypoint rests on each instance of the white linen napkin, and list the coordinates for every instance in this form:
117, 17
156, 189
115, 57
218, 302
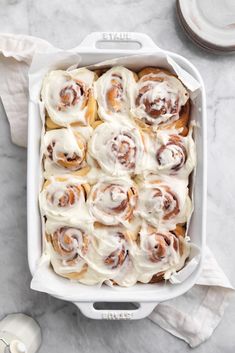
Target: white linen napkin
16, 53
192, 316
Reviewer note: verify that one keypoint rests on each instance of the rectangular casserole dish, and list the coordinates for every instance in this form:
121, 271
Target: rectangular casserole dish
146, 295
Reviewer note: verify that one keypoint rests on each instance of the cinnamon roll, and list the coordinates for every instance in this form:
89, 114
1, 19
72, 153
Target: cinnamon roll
109, 255
164, 202
113, 93
64, 197
64, 151
113, 201
159, 253
161, 100
68, 247
171, 154
68, 97
118, 149
115, 204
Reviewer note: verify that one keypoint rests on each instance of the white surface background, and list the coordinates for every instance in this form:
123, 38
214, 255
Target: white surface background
65, 24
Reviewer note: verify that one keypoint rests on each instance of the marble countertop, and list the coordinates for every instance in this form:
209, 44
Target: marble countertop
65, 24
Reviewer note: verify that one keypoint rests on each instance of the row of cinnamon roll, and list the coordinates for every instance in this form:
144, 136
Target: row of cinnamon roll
155, 98
160, 201
134, 228
115, 255
117, 150
117, 153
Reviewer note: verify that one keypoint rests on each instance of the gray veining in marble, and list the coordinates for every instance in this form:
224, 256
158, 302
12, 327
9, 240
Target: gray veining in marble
65, 24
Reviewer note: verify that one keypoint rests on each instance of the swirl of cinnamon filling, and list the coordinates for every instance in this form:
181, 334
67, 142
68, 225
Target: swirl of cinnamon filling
117, 149
68, 247
159, 253
62, 196
71, 244
113, 202
172, 155
109, 255
160, 97
68, 97
117, 257
162, 243
164, 202
115, 93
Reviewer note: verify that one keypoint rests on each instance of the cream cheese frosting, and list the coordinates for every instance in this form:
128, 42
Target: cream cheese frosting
65, 197
66, 95
117, 148
169, 153
159, 98
110, 254
114, 93
164, 201
67, 243
158, 252
110, 257
116, 223
64, 151
112, 201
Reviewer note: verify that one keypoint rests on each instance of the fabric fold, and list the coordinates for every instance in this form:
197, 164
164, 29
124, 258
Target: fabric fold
16, 53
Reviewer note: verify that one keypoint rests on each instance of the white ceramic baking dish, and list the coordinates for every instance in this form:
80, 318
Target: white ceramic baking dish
98, 47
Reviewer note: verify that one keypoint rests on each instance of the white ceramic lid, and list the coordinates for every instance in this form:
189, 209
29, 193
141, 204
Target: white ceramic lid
211, 23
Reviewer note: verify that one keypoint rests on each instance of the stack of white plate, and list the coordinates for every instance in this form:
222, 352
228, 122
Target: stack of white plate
209, 23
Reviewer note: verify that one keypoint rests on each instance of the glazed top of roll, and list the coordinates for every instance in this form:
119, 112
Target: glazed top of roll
159, 97
159, 252
164, 201
112, 201
65, 197
64, 150
65, 95
117, 148
113, 91
110, 254
170, 154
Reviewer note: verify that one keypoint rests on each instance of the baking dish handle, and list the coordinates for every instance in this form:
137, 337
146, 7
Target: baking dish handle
140, 312
94, 39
